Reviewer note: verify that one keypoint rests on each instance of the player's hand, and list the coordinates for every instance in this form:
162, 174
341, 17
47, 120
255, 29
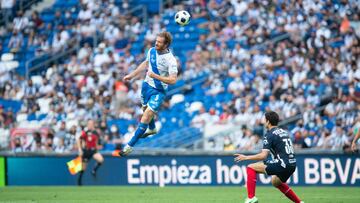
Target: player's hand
151, 74
353, 146
239, 157
127, 78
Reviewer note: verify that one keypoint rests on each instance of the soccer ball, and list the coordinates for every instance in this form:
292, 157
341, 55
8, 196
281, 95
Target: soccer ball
182, 18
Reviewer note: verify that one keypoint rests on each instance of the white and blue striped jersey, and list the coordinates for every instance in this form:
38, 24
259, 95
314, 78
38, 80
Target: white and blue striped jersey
163, 64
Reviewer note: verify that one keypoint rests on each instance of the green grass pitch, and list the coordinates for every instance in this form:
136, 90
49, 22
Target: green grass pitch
149, 194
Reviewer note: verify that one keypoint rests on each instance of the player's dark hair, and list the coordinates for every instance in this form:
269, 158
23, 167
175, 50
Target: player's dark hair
167, 36
272, 117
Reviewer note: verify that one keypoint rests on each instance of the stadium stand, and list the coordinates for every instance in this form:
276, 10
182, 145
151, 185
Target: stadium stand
237, 60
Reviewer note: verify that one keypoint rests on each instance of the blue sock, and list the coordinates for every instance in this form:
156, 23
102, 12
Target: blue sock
138, 133
152, 124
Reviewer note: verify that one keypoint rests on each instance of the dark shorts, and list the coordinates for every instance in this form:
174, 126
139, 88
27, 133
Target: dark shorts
277, 169
88, 154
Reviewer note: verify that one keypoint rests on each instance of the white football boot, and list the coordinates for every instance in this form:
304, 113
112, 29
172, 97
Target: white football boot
252, 200
127, 150
149, 132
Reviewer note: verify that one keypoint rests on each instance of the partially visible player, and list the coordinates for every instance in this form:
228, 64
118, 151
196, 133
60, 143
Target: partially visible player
283, 163
88, 145
162, 70
357, 136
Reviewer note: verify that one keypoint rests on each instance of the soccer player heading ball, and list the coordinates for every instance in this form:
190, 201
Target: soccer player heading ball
162, 70
281, 167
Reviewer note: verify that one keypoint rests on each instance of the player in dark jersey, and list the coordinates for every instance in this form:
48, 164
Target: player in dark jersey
87, 146
281, 166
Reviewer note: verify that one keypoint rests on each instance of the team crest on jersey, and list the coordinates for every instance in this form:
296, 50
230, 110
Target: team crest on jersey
152, 59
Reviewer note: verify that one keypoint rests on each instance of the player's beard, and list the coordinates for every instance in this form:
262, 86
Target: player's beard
160, 48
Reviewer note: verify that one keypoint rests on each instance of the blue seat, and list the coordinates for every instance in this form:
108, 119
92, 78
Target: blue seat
13, 105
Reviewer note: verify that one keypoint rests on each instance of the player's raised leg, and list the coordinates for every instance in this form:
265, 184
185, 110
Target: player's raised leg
99, 161
285, 189
144, 123
151, 128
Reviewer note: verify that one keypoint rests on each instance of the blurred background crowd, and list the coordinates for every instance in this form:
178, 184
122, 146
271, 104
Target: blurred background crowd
237, 59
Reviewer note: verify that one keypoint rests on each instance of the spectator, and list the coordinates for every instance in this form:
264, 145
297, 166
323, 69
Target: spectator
20, 22
255, 143
60, 134
339, 139
60, 147
111, 33
85, 13
33, 143
17, 146
101, 57
16, 41
2, 117
58, 20
58, 43
70, 139
204, 118
324, 141
84, 52
36, 21
228, 144
7, 9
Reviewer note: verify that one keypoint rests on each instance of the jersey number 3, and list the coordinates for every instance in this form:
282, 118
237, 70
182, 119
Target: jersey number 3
288, 146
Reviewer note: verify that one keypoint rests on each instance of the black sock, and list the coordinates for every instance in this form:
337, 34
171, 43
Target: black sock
97, 166
80, 177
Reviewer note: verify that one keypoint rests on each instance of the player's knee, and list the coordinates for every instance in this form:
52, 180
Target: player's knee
145, 119
275, 181
251, 166
147, 116
101, 159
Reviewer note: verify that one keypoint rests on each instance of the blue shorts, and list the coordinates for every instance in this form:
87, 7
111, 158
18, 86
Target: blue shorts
151, 97
282, 171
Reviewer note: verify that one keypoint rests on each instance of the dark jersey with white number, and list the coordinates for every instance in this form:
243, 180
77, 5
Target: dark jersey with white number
279, 143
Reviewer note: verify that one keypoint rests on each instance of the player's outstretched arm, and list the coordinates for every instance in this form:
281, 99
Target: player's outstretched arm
136, 72
168, 80
353, 144
257, 157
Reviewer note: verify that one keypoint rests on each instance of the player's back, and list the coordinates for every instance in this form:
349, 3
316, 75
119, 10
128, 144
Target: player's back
280, 145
